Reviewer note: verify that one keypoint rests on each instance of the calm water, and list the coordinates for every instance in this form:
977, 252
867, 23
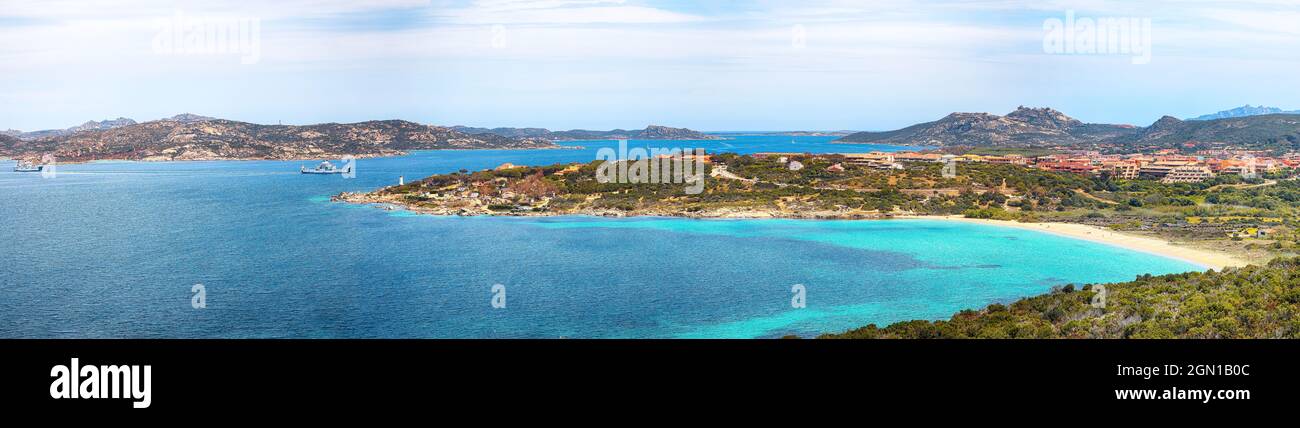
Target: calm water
112, 249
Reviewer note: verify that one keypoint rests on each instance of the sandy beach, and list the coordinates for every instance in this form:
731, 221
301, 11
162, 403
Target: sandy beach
1208, 259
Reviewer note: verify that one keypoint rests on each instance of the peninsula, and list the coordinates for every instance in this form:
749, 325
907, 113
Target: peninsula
1218, 223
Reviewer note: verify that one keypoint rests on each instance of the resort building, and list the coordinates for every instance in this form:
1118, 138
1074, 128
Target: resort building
876, 160
1125, 170
1160, 169
1068, 166
1188, 174
1012, 159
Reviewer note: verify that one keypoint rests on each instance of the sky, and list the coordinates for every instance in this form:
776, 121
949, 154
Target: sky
710, 65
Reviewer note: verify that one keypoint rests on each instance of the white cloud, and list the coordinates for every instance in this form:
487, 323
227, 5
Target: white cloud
556, 12
962, 50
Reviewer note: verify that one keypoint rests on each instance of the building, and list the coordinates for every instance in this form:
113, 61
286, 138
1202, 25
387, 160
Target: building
876, 160
1012, 159
1125, 170
1160, 169
1068, 166
1188, 174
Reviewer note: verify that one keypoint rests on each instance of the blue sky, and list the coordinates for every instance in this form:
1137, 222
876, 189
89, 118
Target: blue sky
601, 64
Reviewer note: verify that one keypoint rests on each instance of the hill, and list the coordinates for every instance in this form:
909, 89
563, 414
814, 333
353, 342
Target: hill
652, 132
1244, 111
1274, 131
1024, 127
88, 126
189, 137
1044, 127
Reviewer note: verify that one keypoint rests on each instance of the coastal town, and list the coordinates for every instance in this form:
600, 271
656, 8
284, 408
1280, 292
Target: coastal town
1166, 165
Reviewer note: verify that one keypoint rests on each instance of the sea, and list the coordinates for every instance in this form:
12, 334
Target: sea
254, 249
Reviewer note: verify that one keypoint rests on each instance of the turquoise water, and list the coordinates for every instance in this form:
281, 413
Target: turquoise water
112, 249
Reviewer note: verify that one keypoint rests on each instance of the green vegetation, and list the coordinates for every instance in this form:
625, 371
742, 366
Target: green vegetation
1249, 302
1257, 219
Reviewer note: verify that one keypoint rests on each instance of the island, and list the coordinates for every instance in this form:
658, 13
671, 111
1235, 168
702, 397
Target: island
652, 132
194, 137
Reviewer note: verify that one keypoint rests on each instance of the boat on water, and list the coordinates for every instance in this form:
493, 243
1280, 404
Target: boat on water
323, 168
25, 166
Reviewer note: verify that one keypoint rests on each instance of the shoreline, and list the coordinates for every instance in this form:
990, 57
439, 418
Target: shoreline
1207, 259
291, 159
1145, 244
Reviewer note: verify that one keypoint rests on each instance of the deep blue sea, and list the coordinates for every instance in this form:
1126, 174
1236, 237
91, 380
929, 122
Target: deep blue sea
113, 249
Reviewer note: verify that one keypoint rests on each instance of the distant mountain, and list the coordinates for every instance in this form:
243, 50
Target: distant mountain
1025, 127
103, 124
652, 132
88, 126
189, 137
1273, 131
814, 133
1244, 111
189, 118
1044, 127
508, 132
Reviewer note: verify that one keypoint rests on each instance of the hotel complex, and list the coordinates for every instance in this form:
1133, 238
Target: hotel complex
1166, 165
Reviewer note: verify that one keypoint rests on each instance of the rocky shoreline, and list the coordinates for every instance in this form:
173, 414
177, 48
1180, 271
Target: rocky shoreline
395, 202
